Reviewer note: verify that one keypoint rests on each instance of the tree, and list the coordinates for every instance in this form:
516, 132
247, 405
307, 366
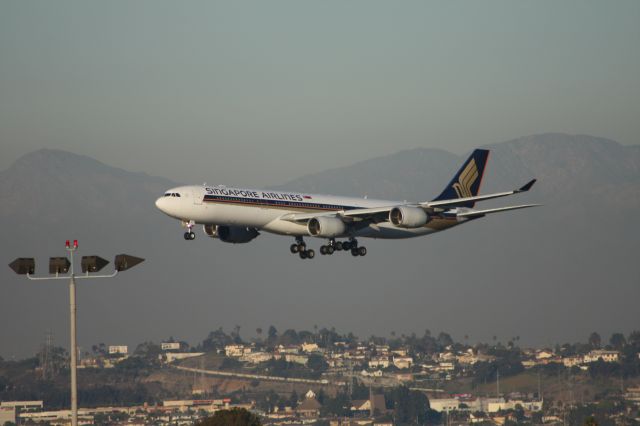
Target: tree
594, 340
410, 407
618, 341
272, 336
444, 339
590, 421
217, 339
233, 417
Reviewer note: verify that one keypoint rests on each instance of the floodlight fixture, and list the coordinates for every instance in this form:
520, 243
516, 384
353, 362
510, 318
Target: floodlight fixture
92, 263
125, 261
62, 265
59, 265
23, 265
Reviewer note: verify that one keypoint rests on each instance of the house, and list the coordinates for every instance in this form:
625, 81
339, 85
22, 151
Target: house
606, 356
236, 351
289, 349
375, 405
256, 357
379, 362
571, 361
170, 346
402, 362
309, 347
118, 350
295, 358
544, 354
309, 408
444, 404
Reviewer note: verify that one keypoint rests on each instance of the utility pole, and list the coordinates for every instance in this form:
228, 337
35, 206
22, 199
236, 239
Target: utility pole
497, 383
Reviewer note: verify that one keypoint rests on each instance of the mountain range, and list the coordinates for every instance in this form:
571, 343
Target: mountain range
550, 274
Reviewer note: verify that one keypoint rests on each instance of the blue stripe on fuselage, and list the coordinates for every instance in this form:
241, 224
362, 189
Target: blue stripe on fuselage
274, 203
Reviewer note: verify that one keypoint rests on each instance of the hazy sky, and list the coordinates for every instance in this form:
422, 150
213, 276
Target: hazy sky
255, 93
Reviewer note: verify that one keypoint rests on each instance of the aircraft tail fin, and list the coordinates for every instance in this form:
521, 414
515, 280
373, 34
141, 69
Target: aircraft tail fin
466, 183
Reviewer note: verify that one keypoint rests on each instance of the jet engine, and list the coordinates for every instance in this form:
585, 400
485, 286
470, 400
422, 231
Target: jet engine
231, 234
327, 227
408, 217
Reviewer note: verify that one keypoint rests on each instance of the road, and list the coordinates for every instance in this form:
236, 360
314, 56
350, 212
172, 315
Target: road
231, 374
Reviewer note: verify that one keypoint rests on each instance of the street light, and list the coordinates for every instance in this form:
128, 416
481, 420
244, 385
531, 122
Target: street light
62, 265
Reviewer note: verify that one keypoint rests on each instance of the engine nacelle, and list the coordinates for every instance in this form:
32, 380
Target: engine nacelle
231, 234
210, 230
408, 217
327, 227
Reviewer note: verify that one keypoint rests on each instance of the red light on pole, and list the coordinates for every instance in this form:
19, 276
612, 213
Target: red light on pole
66, 244
75, 244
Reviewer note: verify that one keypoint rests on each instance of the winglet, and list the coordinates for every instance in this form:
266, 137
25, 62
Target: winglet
527, 186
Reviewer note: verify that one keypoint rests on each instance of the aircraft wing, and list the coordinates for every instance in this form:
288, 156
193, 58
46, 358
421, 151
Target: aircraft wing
459, 201
345, 215
476, 213
381, 214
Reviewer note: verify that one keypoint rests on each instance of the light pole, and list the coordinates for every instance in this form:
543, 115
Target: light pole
62, 265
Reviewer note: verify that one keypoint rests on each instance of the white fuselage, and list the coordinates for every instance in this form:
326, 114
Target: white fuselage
265, 209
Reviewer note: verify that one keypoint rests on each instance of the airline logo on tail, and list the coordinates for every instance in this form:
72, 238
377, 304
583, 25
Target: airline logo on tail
466, 180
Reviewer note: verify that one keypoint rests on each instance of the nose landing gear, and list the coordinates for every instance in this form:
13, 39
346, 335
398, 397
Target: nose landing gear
189, 235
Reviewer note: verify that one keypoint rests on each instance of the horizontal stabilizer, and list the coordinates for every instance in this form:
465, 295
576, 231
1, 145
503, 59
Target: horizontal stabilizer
463, 202
478, 213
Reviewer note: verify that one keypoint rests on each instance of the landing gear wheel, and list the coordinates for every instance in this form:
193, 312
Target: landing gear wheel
192, 236
302, 247
355, 252
329, 250
294, 248
339, 245
186, 236
303, 254
311, 254
346, 246
362, 251
323, 250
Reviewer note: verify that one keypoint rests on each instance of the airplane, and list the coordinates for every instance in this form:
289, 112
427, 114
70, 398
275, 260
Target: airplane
237, 215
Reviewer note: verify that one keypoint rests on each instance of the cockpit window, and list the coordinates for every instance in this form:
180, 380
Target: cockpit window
177, 194
168, 194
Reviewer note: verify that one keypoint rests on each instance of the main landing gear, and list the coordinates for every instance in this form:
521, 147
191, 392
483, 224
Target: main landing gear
300, 247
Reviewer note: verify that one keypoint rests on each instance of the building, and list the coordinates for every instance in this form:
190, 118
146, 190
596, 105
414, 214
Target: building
236, 351
7, 414
379, 362
544, 354
118, 350
606, 356
309, 347
256, 357
175, 356
297, 358
375, 405
402, 362
571, 361
309, 408
444, 404
170, 346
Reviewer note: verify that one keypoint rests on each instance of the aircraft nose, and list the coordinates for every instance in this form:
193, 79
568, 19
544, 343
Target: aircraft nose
160, 203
